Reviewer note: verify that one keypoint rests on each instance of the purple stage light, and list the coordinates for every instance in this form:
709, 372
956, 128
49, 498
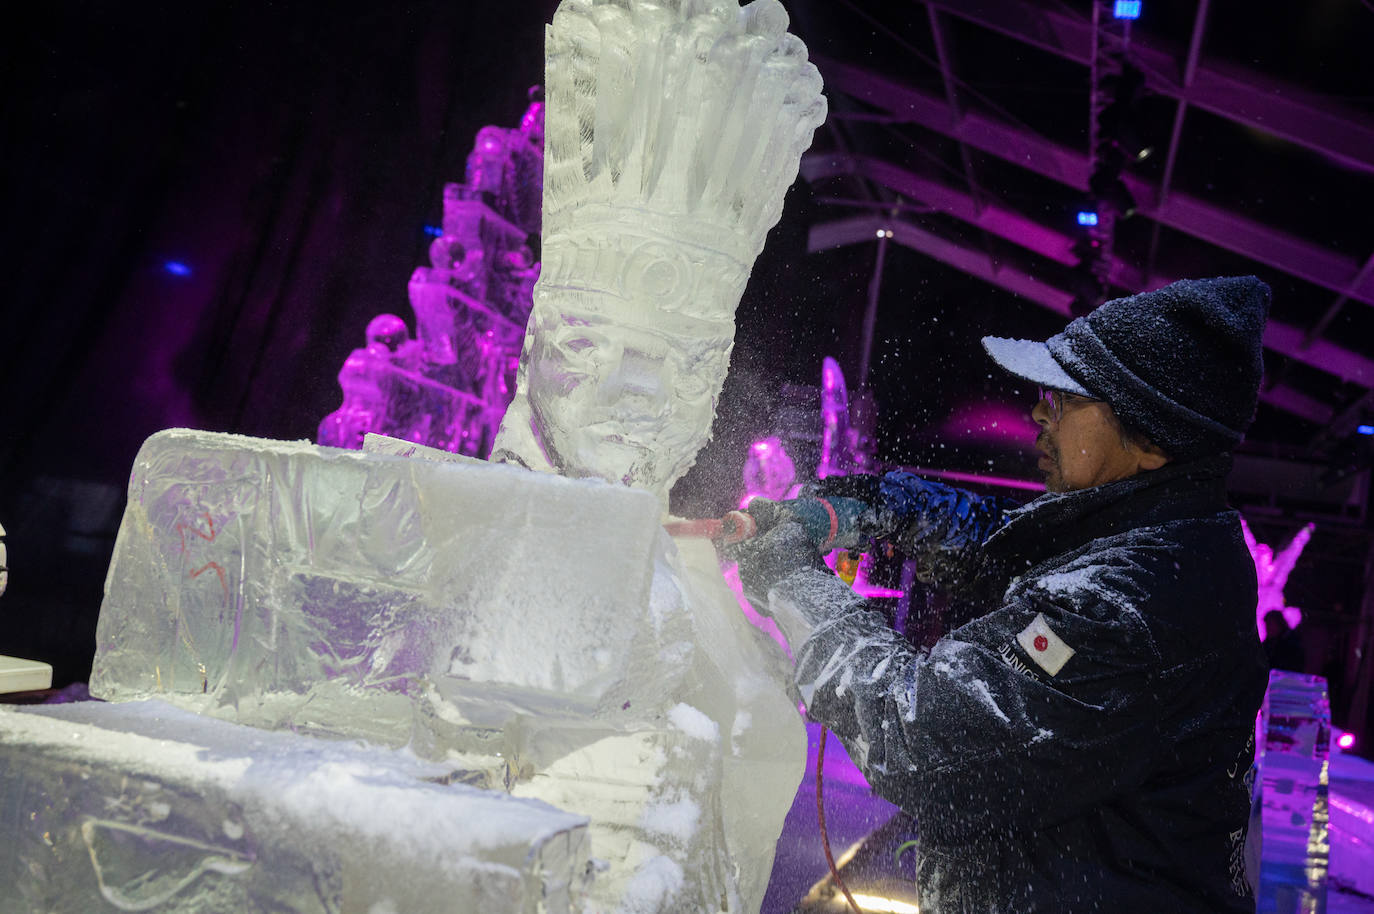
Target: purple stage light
1126, 9
1345, 741
434, 231
1364, 429
177, 268
1086, 217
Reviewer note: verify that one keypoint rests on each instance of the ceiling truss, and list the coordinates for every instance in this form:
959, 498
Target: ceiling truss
1248, 98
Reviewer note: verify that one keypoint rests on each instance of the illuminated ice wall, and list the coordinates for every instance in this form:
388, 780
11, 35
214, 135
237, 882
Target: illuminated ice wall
449, 386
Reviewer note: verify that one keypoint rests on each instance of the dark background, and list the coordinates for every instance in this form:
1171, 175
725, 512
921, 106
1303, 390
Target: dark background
290, 155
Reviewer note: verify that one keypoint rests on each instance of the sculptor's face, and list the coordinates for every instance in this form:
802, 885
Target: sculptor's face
628, 404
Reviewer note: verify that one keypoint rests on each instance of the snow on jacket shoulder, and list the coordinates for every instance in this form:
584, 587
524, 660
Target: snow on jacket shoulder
1085, 744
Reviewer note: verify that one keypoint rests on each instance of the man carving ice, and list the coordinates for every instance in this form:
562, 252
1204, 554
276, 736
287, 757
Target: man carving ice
1083, 745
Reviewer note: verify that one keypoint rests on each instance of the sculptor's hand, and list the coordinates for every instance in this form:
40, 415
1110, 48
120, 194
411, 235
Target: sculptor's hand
770, 558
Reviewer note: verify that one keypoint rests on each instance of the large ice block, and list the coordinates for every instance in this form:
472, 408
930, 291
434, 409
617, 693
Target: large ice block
282, 584
543, 636
140, 806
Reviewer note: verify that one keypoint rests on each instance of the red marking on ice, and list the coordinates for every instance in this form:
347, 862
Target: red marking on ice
1041, 642
181, 529
219, 570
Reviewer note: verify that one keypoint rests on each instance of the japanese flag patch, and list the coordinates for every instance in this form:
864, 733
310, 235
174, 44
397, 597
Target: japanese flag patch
1046, 648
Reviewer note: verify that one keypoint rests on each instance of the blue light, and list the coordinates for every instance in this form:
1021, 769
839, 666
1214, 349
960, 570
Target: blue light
177, 268
1087, 217
1365, 430
1126, 9
434, 230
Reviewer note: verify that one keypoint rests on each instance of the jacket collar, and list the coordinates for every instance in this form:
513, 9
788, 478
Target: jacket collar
1059, 522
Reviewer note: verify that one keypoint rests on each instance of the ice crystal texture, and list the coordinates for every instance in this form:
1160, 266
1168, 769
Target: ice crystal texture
283, 584
542, 636
673, 131
140, 806
1295, 724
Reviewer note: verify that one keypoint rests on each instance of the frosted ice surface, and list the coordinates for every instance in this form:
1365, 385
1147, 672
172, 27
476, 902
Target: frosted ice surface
541, 635
283, 584
1295, 724
141, 806
688, 796
672, 132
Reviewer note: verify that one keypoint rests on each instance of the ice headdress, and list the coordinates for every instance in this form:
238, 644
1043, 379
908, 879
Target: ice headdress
673, 130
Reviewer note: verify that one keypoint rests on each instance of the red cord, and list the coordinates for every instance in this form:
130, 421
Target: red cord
825, 838
834, 524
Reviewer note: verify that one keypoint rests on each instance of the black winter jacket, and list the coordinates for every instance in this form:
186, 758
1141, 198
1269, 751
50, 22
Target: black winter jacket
1087, 744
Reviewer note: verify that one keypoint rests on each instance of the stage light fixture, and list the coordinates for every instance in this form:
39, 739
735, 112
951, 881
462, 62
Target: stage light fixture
1345, 740
1087, 217
177, 268
1126, 9
1364, 430
434, 230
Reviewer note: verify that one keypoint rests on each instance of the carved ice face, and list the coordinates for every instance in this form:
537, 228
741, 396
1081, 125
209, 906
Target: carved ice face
625, 403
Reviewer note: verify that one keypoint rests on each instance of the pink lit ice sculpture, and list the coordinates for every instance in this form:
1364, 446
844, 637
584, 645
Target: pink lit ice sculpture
1271, 573
834, 421
768, 471
449, 387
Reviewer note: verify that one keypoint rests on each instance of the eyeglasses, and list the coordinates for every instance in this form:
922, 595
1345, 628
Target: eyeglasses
1054, 401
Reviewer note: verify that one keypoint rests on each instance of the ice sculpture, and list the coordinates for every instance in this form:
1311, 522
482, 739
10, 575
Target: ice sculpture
541, 635
282, 584
769, 471
142, 807
449, 387
1295, 725
673, 133
1271, 572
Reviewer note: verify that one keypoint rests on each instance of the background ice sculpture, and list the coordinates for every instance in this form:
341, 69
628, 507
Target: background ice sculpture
769, 471
673, 133
1271, 573
1295, 728
449, 387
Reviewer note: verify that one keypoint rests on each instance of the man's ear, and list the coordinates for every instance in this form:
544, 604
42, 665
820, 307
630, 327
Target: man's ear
1151, 457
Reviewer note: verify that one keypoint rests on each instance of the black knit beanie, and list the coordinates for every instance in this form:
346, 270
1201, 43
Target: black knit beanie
1182, 364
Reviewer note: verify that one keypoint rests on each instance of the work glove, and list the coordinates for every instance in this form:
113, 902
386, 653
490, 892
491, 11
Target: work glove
783, 577
830, 523
773, 556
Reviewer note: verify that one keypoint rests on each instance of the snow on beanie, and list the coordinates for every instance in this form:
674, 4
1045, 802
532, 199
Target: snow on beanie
1182, 364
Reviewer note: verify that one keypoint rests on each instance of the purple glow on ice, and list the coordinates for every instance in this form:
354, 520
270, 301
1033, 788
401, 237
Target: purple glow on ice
449, 384
762, 623
834, 420
768, 472
1271, 574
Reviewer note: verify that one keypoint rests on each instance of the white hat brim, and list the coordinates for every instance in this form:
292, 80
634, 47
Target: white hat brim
1031, 360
